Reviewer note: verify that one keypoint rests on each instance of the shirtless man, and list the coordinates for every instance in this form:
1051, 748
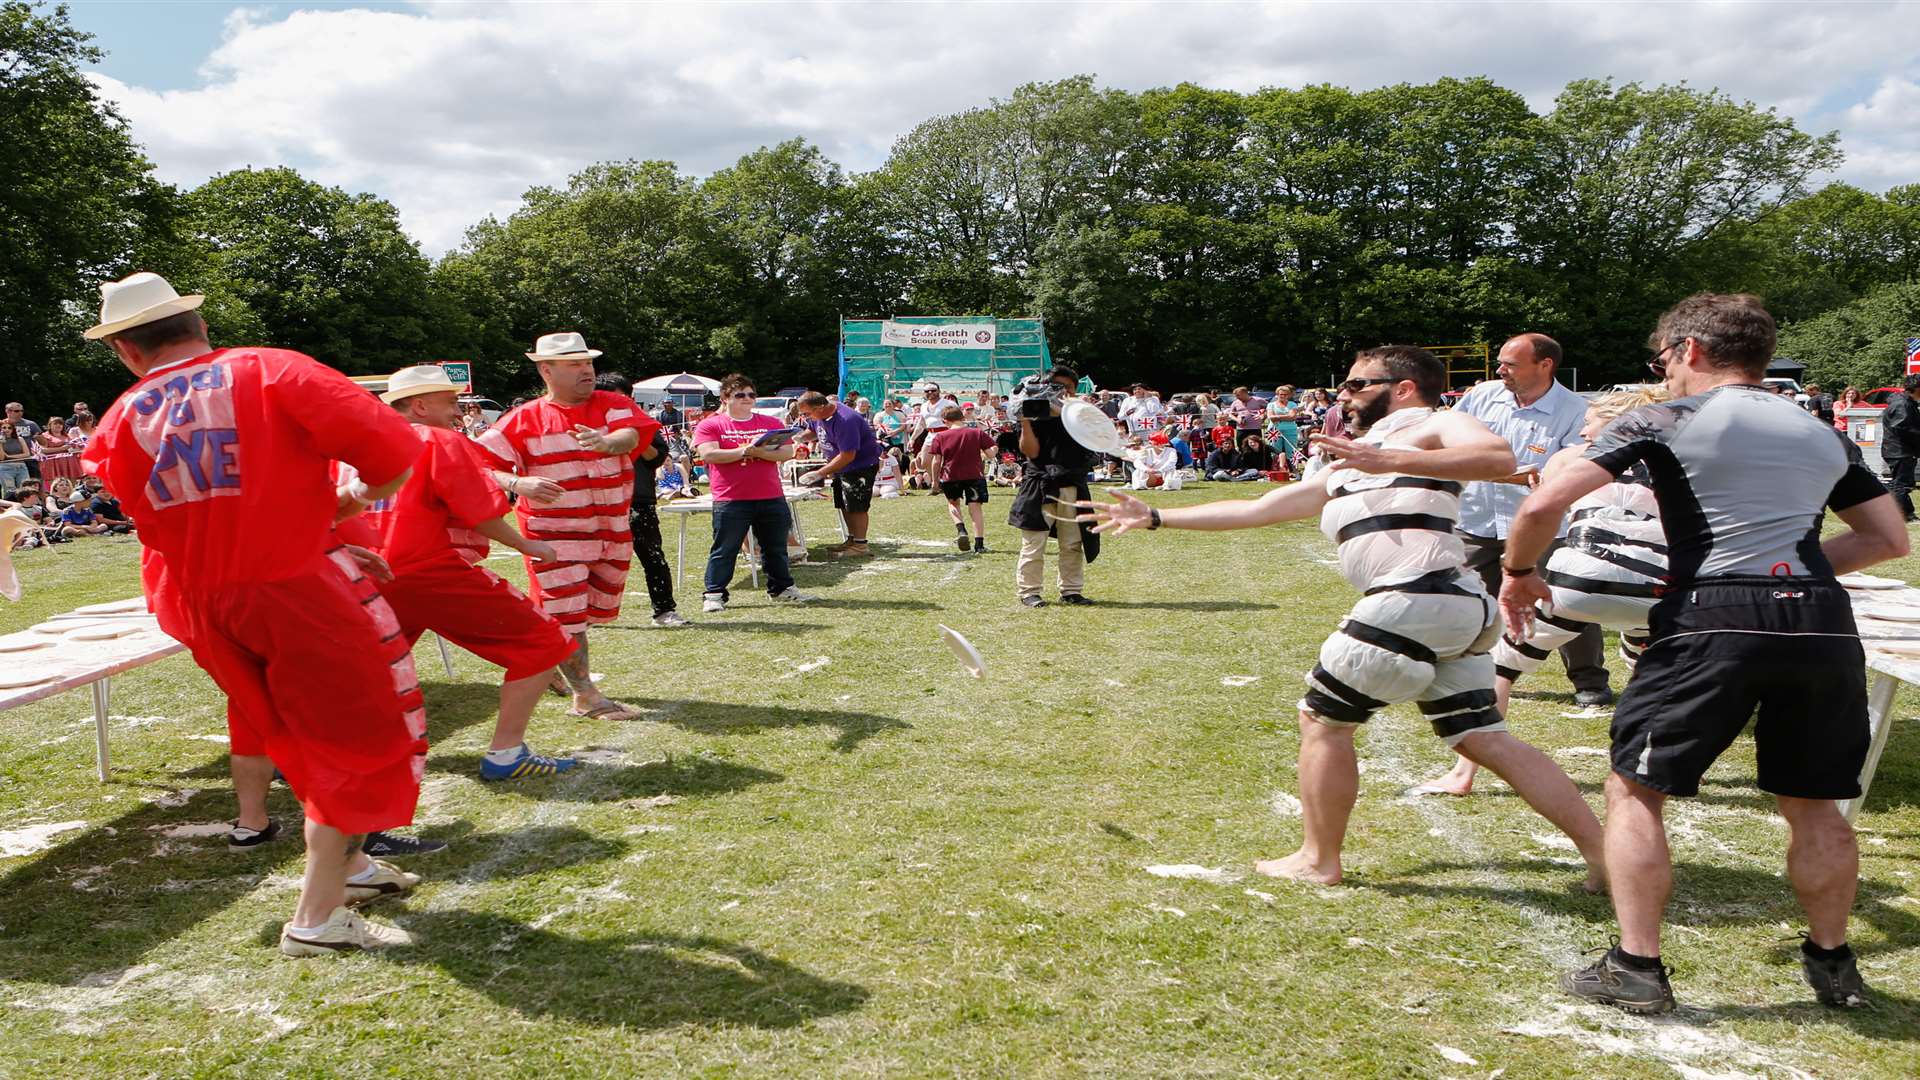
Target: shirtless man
1422, 630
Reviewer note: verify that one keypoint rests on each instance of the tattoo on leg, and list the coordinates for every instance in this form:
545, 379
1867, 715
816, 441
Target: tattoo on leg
577, 671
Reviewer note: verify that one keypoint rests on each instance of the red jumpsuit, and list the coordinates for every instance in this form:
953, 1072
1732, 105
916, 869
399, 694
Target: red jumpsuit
222, 460
587, 525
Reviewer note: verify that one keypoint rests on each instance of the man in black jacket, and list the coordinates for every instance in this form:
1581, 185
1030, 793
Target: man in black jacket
1900, 442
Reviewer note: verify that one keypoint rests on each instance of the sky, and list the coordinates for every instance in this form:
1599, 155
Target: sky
453, 110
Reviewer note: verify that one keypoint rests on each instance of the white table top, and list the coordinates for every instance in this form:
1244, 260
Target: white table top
704, 504
70, 664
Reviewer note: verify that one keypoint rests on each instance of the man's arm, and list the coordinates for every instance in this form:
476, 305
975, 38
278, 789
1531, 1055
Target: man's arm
1876, 533
1455, 447
358, 495
1127, 513
498, 530
1029, 440
835, 464
712, 454
1535, 526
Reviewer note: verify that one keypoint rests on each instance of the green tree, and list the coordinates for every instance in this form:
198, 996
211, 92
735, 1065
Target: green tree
77, 207
1861, 344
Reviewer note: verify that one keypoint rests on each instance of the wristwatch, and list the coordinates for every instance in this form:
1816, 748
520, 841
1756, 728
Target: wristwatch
1153, 518
1522, 571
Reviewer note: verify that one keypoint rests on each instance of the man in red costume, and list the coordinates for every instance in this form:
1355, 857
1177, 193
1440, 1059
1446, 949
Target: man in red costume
222, 457
568, 456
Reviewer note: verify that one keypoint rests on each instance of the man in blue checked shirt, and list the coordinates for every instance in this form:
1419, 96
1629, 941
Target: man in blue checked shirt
1537, 416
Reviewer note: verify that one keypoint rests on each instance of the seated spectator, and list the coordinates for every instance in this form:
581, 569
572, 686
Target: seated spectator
1177, 439
78, 520
1156, 465
886, 482
1224, 464
1255, 454
107, 509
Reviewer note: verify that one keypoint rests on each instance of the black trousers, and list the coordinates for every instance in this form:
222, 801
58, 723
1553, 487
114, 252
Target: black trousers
652, 554
1902, 485
1585, 656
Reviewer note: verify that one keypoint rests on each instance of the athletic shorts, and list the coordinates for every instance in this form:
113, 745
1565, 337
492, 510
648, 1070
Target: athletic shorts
967, 491
1727, 649
481, 612
320, 679
853, 489
1423, 641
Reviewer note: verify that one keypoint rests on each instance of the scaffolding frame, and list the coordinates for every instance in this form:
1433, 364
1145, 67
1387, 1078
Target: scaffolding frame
1466, 364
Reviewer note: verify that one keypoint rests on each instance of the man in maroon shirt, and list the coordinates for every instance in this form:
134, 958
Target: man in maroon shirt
957, 456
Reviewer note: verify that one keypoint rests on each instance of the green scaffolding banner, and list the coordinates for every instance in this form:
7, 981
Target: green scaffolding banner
964, 354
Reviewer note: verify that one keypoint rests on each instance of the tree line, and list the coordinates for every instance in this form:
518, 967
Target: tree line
1180, 236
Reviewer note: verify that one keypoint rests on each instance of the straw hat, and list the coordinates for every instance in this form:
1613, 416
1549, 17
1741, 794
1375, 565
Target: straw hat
568, 346
423, 379
136, 300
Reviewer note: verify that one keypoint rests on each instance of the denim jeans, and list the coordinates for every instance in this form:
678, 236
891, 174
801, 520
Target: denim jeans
12, 475
768, 520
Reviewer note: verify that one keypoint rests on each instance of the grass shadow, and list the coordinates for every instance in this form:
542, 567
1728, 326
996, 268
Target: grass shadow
490, 856
451, 707
120, 889
640, 980
1889, 1016
715, 718
685, 776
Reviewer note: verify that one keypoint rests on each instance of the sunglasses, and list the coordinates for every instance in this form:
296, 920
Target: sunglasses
743, 395
1658, 362
1354, 386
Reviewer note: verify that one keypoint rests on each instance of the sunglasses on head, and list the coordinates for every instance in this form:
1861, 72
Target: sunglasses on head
1354, 386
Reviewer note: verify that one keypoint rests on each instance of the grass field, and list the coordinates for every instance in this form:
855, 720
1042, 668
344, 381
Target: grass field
826, 852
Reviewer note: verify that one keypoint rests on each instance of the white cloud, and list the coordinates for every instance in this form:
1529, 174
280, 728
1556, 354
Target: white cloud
452, 110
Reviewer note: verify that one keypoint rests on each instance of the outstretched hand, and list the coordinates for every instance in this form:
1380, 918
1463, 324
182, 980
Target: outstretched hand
369, 562
1364, 457
1517, 597
1123, 514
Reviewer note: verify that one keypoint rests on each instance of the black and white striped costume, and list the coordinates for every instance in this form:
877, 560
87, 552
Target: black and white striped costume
1422, 630
1614, 557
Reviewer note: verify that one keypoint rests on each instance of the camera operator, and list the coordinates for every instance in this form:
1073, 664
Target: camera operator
1053, 469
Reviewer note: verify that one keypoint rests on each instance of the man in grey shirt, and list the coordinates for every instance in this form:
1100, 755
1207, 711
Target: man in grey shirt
1751, 621
1537, 416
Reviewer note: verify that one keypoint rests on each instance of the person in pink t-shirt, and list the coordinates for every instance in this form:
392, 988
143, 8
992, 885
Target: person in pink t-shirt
747, 494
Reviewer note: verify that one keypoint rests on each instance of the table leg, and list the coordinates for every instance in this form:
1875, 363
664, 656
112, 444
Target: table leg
800, 534
102, 690
446, 655
753, 561
1879, 723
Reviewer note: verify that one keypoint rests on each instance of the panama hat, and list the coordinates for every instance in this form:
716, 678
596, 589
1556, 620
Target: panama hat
424, 379
567, 346
136, 300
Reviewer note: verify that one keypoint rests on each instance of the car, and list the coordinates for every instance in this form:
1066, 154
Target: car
1877, 397
489, 408
775, 407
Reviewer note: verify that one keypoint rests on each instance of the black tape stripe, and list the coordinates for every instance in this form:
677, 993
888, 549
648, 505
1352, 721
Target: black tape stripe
1561, 621
1388, 640
1507, 673
1324, 704
1584, 513
1477, 700
1438, 582
1346, 693
1393, 523
1531, 652
1597, 587
1450, 487
1625, 562
1461, 723
1580, 536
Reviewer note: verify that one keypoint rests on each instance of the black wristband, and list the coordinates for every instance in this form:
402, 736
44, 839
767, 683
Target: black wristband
1153, 518
1512, 572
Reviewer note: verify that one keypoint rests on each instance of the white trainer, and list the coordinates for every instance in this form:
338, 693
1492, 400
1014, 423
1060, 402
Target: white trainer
672, 620
792, 595
713, 603
344, 931
387, 880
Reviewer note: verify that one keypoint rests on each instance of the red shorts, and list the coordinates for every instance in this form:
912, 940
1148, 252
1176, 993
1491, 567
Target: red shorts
481, 612
580, 594
319, 678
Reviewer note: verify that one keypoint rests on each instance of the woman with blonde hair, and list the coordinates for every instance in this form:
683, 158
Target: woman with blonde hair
1606, 571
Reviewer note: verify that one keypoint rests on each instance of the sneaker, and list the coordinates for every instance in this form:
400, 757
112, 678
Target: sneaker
672, 620
525, 767
1835, 982
792, 595
979, 545
344, 931
242, 837
1032, 601
385, 845
1593, 698
387, 880
1610, 982
850, 550
961, 542
1074, 599
713, 604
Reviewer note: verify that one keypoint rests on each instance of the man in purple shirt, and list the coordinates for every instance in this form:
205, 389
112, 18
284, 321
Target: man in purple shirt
853, 458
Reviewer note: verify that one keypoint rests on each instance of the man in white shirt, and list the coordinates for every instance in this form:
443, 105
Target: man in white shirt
1143, 411
1156, 459
1537, 416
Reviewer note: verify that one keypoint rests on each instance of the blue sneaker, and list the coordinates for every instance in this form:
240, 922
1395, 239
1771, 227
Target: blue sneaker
526, 766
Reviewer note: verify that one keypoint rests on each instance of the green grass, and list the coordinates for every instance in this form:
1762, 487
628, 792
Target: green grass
881, 867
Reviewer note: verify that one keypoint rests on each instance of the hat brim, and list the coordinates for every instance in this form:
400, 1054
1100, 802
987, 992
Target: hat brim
590, 354
406, 392
152, 314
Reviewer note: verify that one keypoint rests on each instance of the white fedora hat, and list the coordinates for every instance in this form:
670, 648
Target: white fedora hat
136, 300
424, 379
568, 346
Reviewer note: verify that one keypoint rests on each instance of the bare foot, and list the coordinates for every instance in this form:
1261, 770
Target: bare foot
1446, 785
1596, 883
1298, 867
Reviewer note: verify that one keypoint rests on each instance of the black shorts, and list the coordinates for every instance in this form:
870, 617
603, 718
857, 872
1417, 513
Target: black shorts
853, 489
1724, 649
967, 491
